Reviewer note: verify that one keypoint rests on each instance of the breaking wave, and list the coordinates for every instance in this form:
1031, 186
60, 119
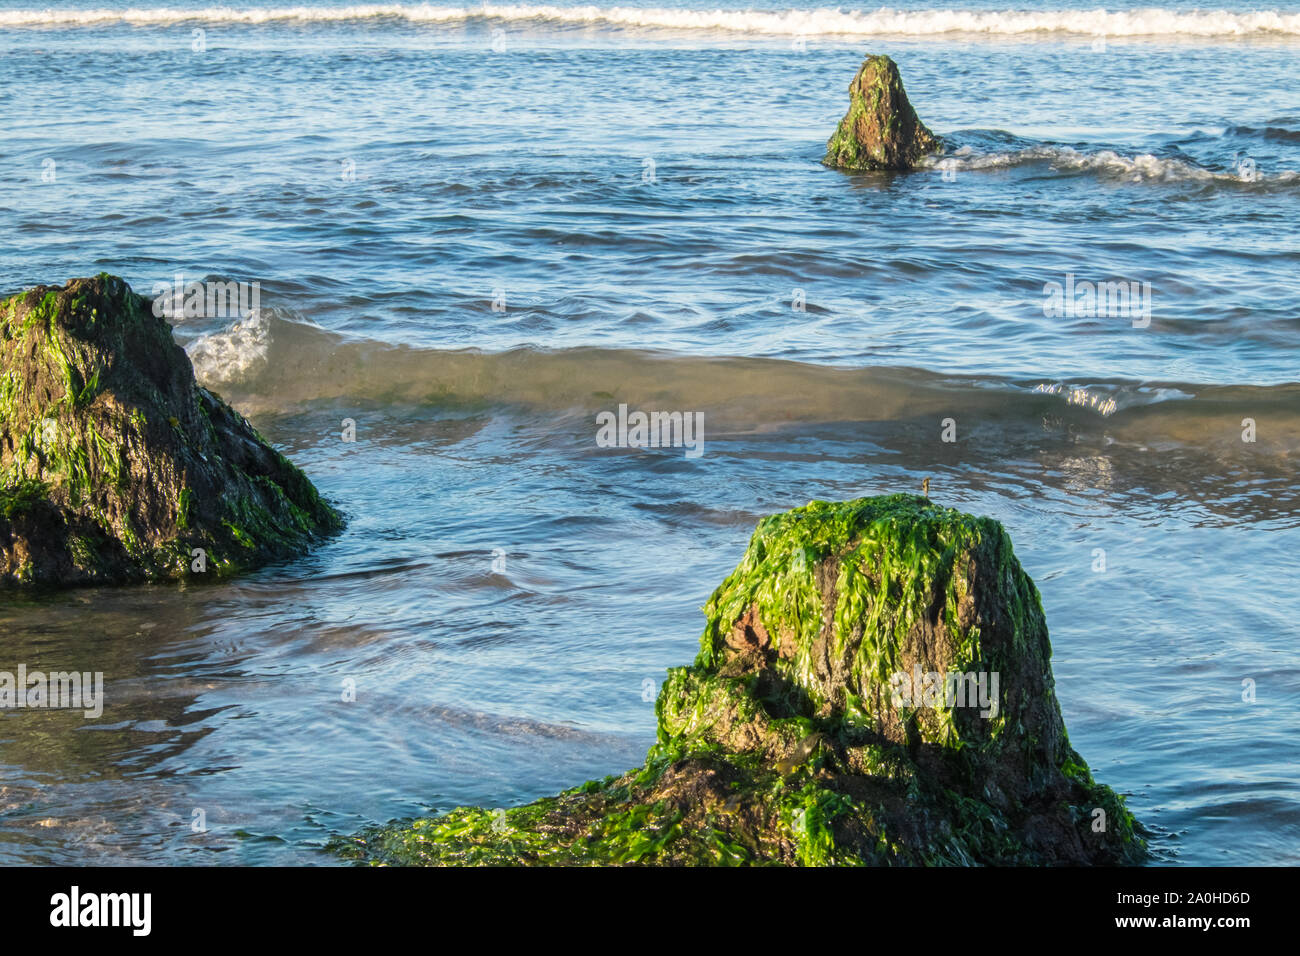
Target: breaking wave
276, 365
1147, 22
1141, 167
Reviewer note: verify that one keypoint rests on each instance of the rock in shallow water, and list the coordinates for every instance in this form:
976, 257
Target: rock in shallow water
880, 130
820, 725
115, 466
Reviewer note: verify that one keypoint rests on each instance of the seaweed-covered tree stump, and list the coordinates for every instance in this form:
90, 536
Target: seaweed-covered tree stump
873, 686
880, 129
116, 466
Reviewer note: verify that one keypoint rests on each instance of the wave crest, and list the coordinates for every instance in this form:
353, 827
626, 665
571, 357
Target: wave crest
1147, 22
1141, 167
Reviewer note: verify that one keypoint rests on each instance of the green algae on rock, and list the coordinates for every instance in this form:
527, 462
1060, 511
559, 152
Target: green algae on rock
116, 466
830, 718
880, 130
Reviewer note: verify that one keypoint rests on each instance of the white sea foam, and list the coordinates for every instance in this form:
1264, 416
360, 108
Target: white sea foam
1142, 167
1150, 21
234, 354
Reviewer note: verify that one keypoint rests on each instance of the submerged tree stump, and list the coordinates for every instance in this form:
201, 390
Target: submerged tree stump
880, 130
116, 466
874, 687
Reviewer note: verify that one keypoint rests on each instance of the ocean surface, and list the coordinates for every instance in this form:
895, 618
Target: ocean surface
475, 228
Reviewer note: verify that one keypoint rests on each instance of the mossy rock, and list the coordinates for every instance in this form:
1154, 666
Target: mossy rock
794, 738
880, 129
116, 466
